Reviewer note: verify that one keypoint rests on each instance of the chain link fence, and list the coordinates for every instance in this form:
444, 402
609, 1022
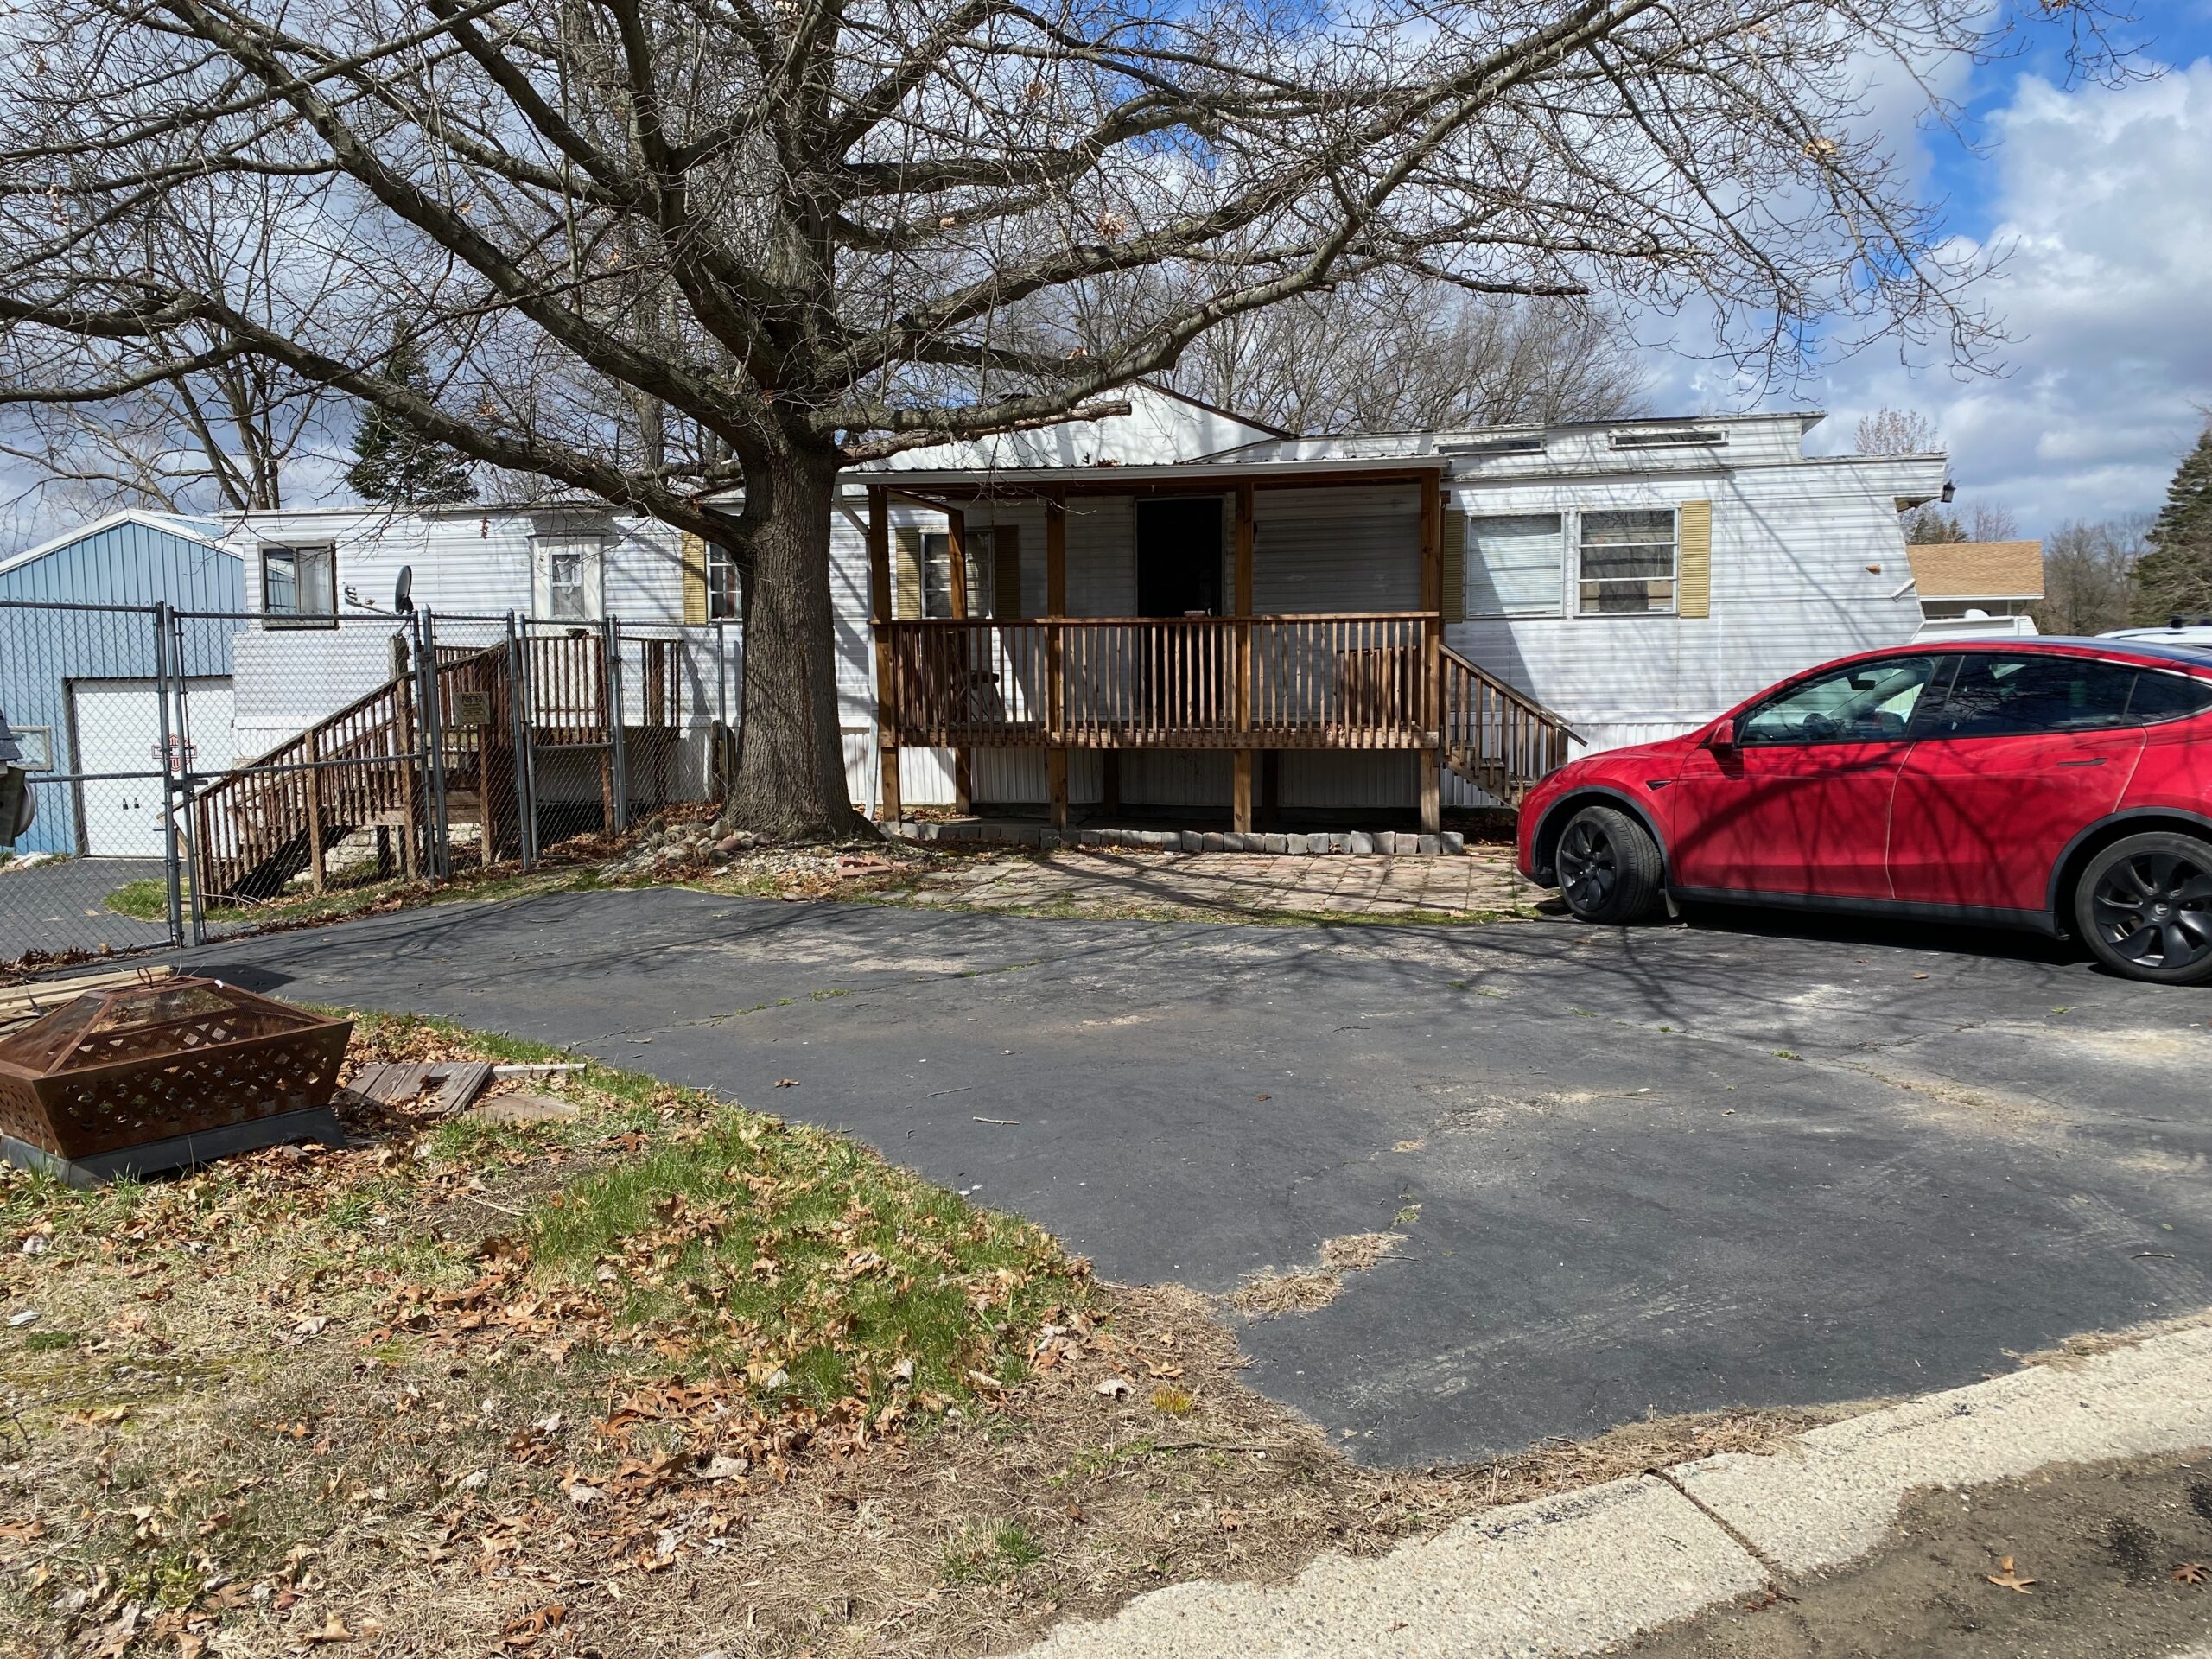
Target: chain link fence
198, 773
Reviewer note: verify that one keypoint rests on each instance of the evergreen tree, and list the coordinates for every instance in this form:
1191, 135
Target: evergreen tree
397, 466
1932, 523
2175, 577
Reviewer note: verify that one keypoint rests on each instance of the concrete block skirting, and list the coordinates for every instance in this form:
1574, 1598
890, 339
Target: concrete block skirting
1393, 843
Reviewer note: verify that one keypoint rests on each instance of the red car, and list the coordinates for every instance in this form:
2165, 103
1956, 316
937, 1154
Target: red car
2059, 785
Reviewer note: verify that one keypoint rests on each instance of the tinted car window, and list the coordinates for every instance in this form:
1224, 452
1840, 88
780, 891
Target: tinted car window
2166, 697
2015, 697
1869, 702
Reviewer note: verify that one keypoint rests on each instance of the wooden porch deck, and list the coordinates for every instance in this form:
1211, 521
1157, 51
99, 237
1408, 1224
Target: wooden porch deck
1244, 683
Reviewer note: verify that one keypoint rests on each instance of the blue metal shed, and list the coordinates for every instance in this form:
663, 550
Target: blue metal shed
78, 682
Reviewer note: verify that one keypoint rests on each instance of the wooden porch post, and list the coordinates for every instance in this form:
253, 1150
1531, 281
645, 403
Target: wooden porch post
956, 548
314, 808
1056, 691
1431, 755
888, 809
1242, 807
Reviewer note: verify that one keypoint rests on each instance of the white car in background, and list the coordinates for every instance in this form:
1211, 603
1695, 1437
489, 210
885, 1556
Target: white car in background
2179, 631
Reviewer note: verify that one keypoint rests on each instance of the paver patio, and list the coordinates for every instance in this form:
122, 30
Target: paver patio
1095, 882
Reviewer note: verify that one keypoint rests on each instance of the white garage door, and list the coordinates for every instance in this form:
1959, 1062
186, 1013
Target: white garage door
117, 727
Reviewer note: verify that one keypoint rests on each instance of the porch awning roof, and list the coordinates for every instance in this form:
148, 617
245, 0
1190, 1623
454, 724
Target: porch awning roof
1169, 478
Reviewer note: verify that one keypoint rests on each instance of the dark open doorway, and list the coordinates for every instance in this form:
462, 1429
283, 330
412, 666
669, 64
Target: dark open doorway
1178, 556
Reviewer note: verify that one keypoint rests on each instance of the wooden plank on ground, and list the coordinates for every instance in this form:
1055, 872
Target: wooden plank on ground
450, 1083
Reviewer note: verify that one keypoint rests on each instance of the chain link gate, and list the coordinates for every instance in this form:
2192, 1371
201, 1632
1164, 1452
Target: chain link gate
200, 773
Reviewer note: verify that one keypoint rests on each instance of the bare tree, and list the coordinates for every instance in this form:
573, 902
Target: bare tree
1398, 356
1983, 521
664, 250
2086, 575
1897, 432
203, 425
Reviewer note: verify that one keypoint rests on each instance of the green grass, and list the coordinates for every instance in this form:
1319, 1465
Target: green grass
783, 1248
144, 901
148, 900
990, 1553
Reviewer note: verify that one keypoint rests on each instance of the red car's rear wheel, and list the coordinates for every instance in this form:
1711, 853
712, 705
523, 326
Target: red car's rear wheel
2144, 907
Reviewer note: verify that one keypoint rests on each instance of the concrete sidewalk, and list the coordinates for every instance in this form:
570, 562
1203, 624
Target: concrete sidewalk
1577, 1573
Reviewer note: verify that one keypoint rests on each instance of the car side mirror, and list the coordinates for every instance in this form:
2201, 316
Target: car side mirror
1723, 741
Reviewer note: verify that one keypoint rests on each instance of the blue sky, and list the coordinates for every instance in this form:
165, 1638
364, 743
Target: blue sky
2100, 199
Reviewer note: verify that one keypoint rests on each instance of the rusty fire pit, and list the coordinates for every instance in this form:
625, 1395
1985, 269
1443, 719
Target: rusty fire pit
146, 1077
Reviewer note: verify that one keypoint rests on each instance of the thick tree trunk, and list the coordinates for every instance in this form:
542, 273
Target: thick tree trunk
791, 766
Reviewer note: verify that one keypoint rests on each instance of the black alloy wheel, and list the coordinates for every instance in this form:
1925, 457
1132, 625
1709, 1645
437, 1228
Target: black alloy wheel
1608, 867
2145, 908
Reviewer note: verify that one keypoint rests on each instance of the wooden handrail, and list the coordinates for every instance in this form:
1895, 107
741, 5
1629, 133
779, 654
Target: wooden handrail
1499, 739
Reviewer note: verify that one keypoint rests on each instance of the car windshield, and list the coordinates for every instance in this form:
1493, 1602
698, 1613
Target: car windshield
1868, 702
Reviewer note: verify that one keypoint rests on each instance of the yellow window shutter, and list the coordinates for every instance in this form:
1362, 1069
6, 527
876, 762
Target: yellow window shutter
1005, 573
1455, 567
907, 574
1694, 532
695, 580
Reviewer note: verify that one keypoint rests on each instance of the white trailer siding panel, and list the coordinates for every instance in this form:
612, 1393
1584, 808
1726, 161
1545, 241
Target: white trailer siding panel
1791, 585
1346, 549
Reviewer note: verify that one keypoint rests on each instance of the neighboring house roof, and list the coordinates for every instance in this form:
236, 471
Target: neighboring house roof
1977, 570
202, 530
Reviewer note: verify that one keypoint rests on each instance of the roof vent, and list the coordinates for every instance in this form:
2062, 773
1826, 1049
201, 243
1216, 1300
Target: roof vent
1678, 437
1529, 446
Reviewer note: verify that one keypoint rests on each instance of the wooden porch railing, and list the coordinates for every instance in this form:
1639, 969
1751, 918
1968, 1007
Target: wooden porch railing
1496, 738
1334, 681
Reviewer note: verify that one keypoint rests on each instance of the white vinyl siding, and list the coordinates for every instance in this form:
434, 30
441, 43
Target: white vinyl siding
1516, 565
1342, 550
1807, 560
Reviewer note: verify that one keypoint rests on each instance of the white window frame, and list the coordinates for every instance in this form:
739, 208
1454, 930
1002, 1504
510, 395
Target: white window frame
937, 572
1673, 578
36, 743
297, 554
592, 576
1554, 607
723, 595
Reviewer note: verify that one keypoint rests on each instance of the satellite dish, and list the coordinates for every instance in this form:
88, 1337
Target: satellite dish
403, 591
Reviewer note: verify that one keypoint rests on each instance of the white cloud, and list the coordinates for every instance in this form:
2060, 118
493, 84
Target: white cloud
2102, 201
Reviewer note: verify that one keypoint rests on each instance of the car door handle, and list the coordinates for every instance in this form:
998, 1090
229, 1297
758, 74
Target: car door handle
2098, 761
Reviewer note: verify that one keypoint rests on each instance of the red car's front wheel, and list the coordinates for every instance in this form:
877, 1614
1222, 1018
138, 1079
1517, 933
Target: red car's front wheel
1609, 869
2144, 907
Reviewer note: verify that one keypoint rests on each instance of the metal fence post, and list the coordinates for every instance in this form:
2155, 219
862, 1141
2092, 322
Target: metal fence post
164, 683
722, 711
518, 698
620, 759
196, 901
431, 725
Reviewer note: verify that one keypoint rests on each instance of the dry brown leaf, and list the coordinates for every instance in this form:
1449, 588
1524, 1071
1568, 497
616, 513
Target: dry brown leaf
2005, 1577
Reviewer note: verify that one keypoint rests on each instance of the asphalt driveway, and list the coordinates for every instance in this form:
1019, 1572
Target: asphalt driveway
1661, 1170
62, 906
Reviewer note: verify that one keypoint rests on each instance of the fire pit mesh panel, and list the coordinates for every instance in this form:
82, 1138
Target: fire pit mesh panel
118, 1068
